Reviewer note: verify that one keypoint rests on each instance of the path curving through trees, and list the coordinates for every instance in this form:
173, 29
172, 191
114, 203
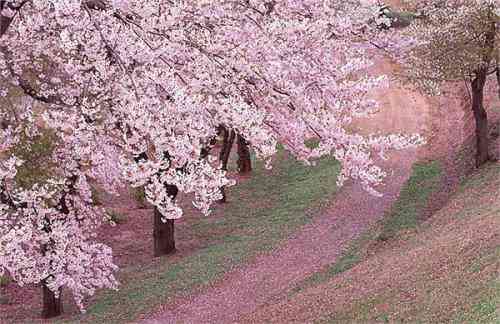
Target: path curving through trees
317, 244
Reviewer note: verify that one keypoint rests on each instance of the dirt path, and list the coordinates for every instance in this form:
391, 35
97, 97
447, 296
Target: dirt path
456, 265
317, 244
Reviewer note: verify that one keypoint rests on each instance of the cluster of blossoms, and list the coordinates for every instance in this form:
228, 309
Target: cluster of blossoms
48, 229
135, 90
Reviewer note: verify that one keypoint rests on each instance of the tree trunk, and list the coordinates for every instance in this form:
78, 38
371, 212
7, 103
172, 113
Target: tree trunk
5, 21
52, 306
244, 161
480, 117
163, 232
227, 144
205, 151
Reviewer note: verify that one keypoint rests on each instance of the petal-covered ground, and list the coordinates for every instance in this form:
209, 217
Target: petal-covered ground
448, 272
319, 243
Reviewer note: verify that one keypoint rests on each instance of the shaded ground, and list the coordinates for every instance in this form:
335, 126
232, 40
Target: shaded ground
315, 246
448, 273
131, 240
272, 277
23, 304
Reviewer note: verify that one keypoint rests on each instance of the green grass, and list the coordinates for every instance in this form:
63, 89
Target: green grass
467, 293
486, 306
413, 199
488, 258
363, 314
481, 177
477, 302
4, 281
140, 196
486, 309
477, 185
261, 212
116, 217
415, 194
351, 257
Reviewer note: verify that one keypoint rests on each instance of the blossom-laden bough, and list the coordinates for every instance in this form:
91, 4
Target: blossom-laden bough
135, 91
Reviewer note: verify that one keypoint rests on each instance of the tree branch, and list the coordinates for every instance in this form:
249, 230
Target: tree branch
8, 12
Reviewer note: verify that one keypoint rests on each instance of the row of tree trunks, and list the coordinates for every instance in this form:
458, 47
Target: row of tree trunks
244, 161
163, 229
228, 137
163, 232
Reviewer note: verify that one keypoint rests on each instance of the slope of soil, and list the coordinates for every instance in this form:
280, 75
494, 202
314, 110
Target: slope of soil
317, 244
449, 271
400, 221
261, 211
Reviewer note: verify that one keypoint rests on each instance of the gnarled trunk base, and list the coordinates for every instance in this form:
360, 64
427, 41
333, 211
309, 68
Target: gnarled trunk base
163, 232
163, 235
52, 306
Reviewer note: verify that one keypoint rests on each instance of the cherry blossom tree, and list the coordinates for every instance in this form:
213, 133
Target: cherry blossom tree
455, 41
140, 88
47, 228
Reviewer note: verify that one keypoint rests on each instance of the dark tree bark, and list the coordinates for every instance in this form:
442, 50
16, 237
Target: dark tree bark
205, 151
163, 232
52, 306
163, 229
6, 21
244, 160
480, 116
227, 144
477, 85
497, 74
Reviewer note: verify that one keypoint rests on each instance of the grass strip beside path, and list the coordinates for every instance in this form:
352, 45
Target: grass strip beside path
261, 213
404, 215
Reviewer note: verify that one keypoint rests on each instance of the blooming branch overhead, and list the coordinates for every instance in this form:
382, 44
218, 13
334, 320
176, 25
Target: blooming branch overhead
134, 90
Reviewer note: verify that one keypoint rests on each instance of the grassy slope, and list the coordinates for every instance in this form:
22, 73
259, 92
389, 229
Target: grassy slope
403, 217
455, 277
262, 211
